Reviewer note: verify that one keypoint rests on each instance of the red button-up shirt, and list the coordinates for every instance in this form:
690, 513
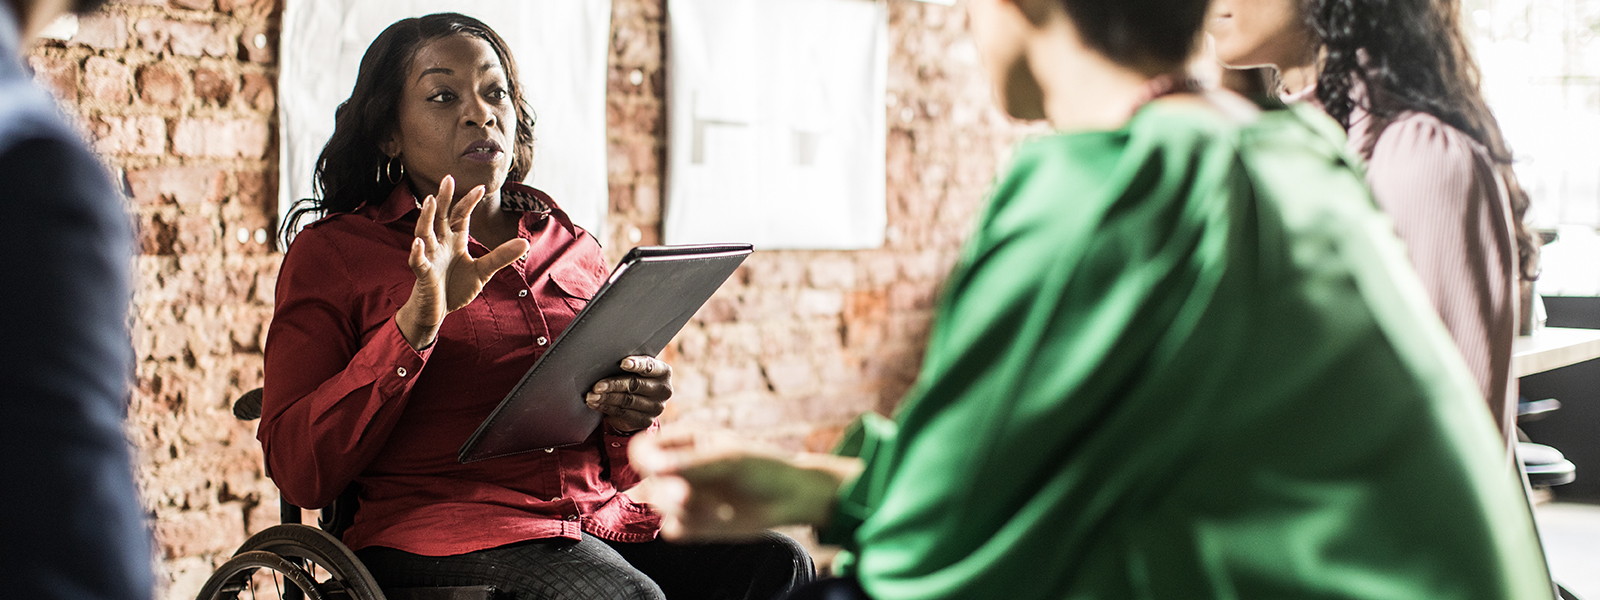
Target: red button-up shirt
347, 399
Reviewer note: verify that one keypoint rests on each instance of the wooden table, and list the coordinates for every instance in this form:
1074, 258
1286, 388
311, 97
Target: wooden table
1553, 348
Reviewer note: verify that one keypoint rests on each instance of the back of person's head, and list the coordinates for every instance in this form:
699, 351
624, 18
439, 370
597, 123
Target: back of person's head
1159, 34
350, 170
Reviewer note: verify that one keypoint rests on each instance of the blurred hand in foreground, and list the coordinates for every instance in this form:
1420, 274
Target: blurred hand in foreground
716, 487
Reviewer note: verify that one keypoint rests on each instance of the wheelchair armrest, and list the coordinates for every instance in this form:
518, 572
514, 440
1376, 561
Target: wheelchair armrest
248, 406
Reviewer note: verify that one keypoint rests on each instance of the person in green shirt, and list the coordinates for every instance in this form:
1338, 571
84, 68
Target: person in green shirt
1182, 356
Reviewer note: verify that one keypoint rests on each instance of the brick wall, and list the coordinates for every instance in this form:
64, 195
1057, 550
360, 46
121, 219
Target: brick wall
179, 97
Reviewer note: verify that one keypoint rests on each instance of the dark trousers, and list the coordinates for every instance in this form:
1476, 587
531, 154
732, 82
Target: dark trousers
834, 588
596, 569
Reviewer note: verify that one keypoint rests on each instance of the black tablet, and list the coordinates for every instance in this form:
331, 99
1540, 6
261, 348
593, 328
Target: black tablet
649, 297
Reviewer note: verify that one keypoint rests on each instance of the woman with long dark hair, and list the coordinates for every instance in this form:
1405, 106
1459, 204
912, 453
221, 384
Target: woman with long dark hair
408, 310
1398, 76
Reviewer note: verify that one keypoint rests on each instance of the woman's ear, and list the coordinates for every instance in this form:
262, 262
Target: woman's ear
390, 146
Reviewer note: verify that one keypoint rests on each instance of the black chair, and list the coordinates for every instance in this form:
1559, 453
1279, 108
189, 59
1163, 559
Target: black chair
1545, 466
299, 561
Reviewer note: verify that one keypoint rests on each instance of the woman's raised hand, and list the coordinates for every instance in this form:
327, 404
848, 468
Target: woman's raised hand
448, 277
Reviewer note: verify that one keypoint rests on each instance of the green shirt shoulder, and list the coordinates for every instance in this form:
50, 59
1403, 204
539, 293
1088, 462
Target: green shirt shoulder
1185, 359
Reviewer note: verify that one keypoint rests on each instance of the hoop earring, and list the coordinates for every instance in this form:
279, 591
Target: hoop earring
386, 171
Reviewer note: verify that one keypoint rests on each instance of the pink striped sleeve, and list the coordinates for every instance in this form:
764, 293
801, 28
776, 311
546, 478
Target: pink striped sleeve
1448, 206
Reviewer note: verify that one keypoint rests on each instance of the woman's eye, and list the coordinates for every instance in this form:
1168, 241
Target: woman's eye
498, 94
442, 97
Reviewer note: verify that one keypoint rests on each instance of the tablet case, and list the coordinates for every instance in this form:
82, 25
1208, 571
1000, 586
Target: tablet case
648, 298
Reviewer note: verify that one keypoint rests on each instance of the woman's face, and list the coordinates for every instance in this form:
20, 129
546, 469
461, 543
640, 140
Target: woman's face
456, 116
1255, 33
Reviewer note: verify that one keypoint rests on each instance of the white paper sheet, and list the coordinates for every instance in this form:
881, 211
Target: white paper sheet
777, 126
560, 47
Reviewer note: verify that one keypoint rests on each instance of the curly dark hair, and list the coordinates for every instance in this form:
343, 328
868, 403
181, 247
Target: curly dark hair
1411, 55
1158, 32
346, 174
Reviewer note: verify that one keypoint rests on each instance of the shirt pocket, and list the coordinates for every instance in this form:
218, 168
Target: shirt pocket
575, 284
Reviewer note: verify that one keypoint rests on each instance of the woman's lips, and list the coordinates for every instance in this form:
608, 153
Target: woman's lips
484, 151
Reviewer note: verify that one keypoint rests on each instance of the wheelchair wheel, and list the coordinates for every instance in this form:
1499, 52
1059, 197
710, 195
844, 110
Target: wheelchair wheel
251, 573
292, 561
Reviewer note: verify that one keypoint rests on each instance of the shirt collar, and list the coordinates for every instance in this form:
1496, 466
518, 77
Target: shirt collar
532, 202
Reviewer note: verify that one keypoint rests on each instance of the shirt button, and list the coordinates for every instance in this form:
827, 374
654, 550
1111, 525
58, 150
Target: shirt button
549, 450
542, 340
400, 371
572, 517
615, 445
522, 294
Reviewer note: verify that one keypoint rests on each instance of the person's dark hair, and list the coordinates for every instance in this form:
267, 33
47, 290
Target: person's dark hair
84, 7
1411, 55
347, 172
1159, 33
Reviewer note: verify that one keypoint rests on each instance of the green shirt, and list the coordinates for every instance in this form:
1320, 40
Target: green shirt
1187, 359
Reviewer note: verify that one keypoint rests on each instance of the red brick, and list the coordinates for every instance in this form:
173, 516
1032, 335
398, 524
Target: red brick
221, 139
198, 39
177, 185
633, 45
196, 532
211, 85
263, 54
719, 309
790, 375
114, 135
259, 90
153, 34
647, 200
107, 80
161, 85
819, 303
734, 379
248, 9
57, 74
102, 30
621, 198
259, 189
156, 237
823, 439
196, 234
836, 271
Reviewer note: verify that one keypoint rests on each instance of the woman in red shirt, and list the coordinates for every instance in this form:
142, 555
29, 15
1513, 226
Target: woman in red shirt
406, 313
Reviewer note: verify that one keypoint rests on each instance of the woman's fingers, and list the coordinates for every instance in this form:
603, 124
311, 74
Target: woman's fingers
655, 388
632, 401
619, 415
500, 258
625, 404
647, 366
446, 198
461, 211
419, 259
424, 230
